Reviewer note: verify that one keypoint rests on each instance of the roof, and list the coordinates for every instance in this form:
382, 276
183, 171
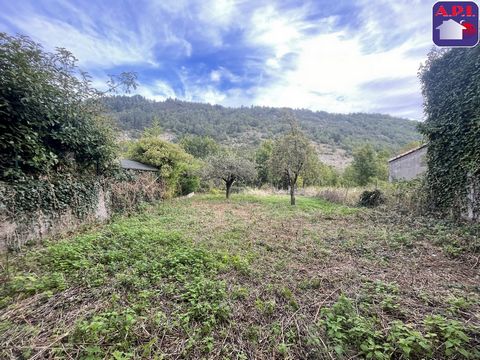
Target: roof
407, 152
135, 165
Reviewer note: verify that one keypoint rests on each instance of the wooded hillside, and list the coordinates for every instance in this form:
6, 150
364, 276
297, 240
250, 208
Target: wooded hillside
248, 125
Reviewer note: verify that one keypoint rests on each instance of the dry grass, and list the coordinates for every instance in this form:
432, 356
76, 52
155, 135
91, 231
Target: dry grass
282, 267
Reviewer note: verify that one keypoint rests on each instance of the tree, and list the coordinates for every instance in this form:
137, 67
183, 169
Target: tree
410, 146
155, 130
50, 115
176, 167
364, 164
199, 146
316, 173
230, 168
262, 161
290, 155
367, 166
251, 125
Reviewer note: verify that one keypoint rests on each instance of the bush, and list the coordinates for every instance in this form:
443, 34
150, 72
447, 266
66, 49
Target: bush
371, 198
128, 194
51, 117
177, 168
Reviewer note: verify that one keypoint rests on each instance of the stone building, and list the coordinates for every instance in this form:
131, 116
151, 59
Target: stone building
409, 165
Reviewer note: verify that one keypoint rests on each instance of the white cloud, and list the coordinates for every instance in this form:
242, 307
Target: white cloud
159, 90
330, 67
318, 64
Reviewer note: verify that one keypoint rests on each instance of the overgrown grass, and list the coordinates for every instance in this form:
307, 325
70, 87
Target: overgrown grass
280, 204
252, 277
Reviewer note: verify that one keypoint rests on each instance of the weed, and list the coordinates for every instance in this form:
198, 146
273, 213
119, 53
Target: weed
111, 327
252, 333
287, 294
307, 284
459, 304
240, 293
30, 284
178, 281
266, 308
350, 330
452, 335
406, 341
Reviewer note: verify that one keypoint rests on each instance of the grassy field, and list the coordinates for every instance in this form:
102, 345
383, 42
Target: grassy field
251, 278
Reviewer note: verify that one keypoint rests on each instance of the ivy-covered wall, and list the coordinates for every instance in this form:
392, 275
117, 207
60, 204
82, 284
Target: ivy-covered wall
451, 90
33, 209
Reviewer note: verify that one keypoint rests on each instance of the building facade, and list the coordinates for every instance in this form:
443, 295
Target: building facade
409, 165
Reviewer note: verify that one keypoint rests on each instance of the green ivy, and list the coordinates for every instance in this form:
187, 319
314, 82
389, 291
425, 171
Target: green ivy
451, 89
23, 198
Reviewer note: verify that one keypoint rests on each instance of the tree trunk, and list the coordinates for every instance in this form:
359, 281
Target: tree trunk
292, 193
228, 185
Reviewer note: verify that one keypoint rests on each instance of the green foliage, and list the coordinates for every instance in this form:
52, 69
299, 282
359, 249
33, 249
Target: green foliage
199, 146
409, 342
354, 331
139, 260
229, 167
198, 278
50, 115
367, 166
459, 304
452, 128
251, 125
262, 161
155, 130
317, 173
346, 328
176, 167
50, 196
116, 327
267, 307
27, 199
452, 336
290, 156
30, 284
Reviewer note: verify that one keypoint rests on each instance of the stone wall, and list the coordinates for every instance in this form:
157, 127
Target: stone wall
18, 228
16, 232
473, 199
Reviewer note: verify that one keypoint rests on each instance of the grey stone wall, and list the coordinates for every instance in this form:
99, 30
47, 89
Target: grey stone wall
409, 166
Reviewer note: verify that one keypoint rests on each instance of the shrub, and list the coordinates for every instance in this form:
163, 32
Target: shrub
176, 167
51, 118
128, 194
371, 198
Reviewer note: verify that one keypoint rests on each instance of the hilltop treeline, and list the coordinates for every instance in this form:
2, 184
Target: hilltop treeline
249, 125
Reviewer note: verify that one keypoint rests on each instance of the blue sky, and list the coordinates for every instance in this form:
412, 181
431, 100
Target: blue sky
337, 56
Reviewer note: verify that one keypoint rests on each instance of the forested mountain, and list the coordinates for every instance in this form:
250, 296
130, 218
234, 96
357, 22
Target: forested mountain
249, 125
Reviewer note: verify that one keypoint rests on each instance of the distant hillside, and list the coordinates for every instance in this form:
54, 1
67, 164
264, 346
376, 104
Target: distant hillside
334, 134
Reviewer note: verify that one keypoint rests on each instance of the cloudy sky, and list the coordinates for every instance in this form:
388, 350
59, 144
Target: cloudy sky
337, 56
